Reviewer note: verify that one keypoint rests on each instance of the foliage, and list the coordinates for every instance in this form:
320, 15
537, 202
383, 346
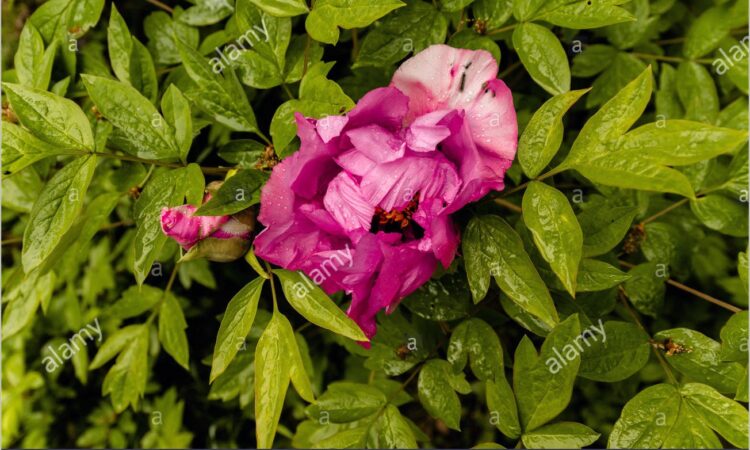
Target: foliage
618, 249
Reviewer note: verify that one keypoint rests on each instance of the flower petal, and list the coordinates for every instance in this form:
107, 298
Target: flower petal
180, 224
345, 202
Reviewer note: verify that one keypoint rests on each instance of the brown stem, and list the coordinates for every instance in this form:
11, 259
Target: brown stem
659, 356
664, 211
502, 30
668, 58
161, 5
509, 70
692, 291
506, 204
206, 170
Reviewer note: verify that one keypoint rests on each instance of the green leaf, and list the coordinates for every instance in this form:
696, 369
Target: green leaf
543, 57
263, 65
282, 8
235, 326
436, 387
622, 351
502, 407
313, 304
21, 190
148, 135
165, 189
560, 435
725, 416
114, 344
126, 380
164, 34
319, 97
135, 301
690, 431
544, 133
474, 341
647, 418
24, 302
734, 338
701, 360
604, 226
523, 10
391, 430
22, 149
447, 298
32, 63
176, 111
645, 288
492, 247
207, 12
555, 229
172, 327
594, 275
620, 70
470, 40
297, 372
350, 438
221, 97
56, 209
635, 172
345, 402
272, 376
593, 60
119, 45
543, 383
409, 29
327, 15
722, 214
697, 92
492, 14
55, 18
585, 14
51, 118
707, 31
238, 193
680, 142
237, 381
611, 121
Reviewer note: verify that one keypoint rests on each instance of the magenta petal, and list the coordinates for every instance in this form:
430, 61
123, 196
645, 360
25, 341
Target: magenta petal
424, 134
383, 106
180, 224
377, 143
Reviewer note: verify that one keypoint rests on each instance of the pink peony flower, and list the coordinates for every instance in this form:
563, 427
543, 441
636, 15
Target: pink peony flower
365, 205
217, 238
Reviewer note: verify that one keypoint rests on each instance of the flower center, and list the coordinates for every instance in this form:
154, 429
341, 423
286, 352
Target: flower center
398, 221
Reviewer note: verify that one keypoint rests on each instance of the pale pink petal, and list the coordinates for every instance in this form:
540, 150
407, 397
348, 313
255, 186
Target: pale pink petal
330, 127
345, 202
444, 77
393, 184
